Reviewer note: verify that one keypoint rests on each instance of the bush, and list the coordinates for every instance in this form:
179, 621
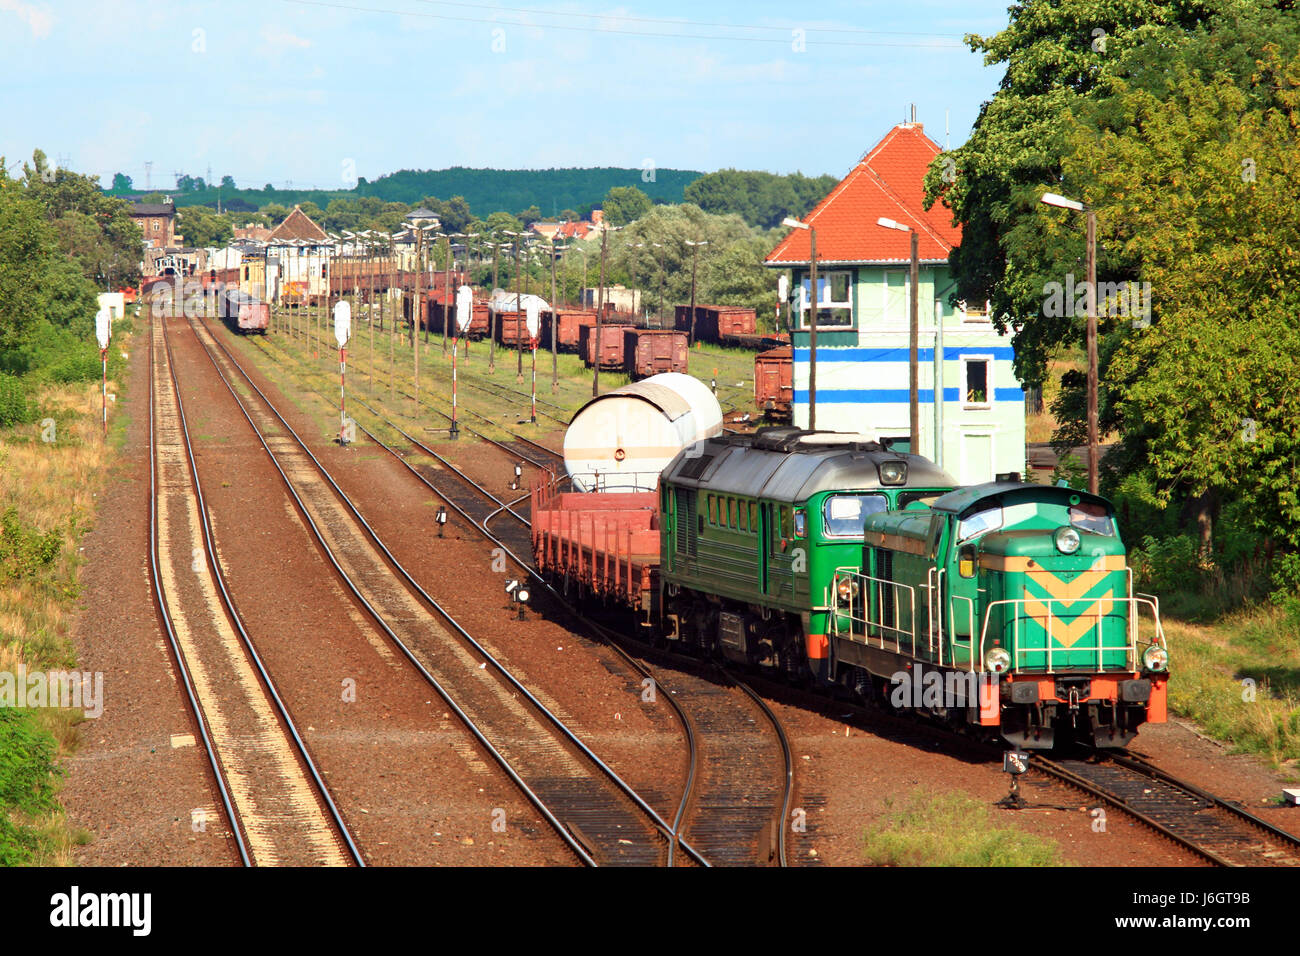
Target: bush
13, 402
27, 777
24, 550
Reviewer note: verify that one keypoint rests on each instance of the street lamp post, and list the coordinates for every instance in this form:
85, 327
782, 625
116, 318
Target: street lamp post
659, 312
913, 339
555, 321
812, 318
1053, 199
694, 256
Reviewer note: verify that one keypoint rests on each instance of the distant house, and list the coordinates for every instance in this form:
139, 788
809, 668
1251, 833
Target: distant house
297, 259
157, 221
863, 317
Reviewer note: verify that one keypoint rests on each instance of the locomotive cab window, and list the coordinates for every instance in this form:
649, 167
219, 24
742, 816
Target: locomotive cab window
990, 519
843, 514
1087, 516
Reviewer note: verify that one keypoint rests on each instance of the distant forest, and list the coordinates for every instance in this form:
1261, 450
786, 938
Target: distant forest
760, 198
486, 190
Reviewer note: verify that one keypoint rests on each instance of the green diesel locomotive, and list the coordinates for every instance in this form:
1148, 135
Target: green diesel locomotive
754, 527
1008, 606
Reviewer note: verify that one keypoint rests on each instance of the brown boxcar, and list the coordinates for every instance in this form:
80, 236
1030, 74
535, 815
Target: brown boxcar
774, 383
478, 325
717, 323
648, 352
611, 345
567, 322
512, 329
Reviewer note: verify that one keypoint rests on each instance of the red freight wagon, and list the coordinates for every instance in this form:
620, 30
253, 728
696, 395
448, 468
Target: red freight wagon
774, 383
651, 351
566, 331
716, 323
611, 345
512, 329
478, 323
606, 543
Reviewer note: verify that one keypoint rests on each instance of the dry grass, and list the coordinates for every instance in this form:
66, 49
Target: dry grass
51, 485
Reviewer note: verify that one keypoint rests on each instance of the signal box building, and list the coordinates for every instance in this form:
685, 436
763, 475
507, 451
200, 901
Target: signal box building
863, 320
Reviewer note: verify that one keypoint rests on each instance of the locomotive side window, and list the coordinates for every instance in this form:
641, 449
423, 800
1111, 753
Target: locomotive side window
713, 510
843, 514
744, 515
753, 516
734, 522
990, 519
966, 561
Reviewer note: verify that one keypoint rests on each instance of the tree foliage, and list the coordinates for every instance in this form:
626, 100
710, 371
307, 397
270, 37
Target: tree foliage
1194, 164
760, 198
1057, 56
624, 204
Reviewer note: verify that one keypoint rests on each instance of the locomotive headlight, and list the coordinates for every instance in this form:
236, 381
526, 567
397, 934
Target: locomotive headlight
845, 588
1067, 540
893, 472
997, 660
1155, 658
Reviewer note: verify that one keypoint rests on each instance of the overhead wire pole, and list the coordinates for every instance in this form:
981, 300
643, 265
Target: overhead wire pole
694, 256
914, 337
555, 320
492, 315
519, 372
600, 312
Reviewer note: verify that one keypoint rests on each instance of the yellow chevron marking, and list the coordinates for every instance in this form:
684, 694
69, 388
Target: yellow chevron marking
1067, 633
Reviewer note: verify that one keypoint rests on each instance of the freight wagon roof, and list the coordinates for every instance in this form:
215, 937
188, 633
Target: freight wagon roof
733, 465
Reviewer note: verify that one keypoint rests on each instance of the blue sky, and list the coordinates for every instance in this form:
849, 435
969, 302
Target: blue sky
315, 91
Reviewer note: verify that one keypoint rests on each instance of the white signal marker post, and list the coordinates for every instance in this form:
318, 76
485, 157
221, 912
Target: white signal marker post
103, 330
342, 333
533, 320
464, 316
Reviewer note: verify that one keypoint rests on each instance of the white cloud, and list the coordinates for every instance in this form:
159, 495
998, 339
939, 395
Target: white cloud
39, 19
278, 39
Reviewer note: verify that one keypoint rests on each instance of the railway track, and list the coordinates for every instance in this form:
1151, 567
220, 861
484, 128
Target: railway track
601, 819
744, 785
1215, 829
740, 782
274, 798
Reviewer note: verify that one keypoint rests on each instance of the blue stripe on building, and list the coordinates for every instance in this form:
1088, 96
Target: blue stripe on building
950, 353
898, 396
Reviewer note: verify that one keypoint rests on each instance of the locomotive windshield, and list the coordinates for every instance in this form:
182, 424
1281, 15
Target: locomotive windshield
844, 514
1087, 516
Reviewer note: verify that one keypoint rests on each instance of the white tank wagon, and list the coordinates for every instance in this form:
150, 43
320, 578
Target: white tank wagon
622, 440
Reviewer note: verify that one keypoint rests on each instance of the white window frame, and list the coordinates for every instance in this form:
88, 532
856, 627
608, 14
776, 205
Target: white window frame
830, 304
966, 361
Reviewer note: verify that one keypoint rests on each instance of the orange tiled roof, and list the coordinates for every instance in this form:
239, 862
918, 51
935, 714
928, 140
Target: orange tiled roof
888, 181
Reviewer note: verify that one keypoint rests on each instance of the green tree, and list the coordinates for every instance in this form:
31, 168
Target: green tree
625, 204
1192, 164
203, 228
121, 183
1057, 56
